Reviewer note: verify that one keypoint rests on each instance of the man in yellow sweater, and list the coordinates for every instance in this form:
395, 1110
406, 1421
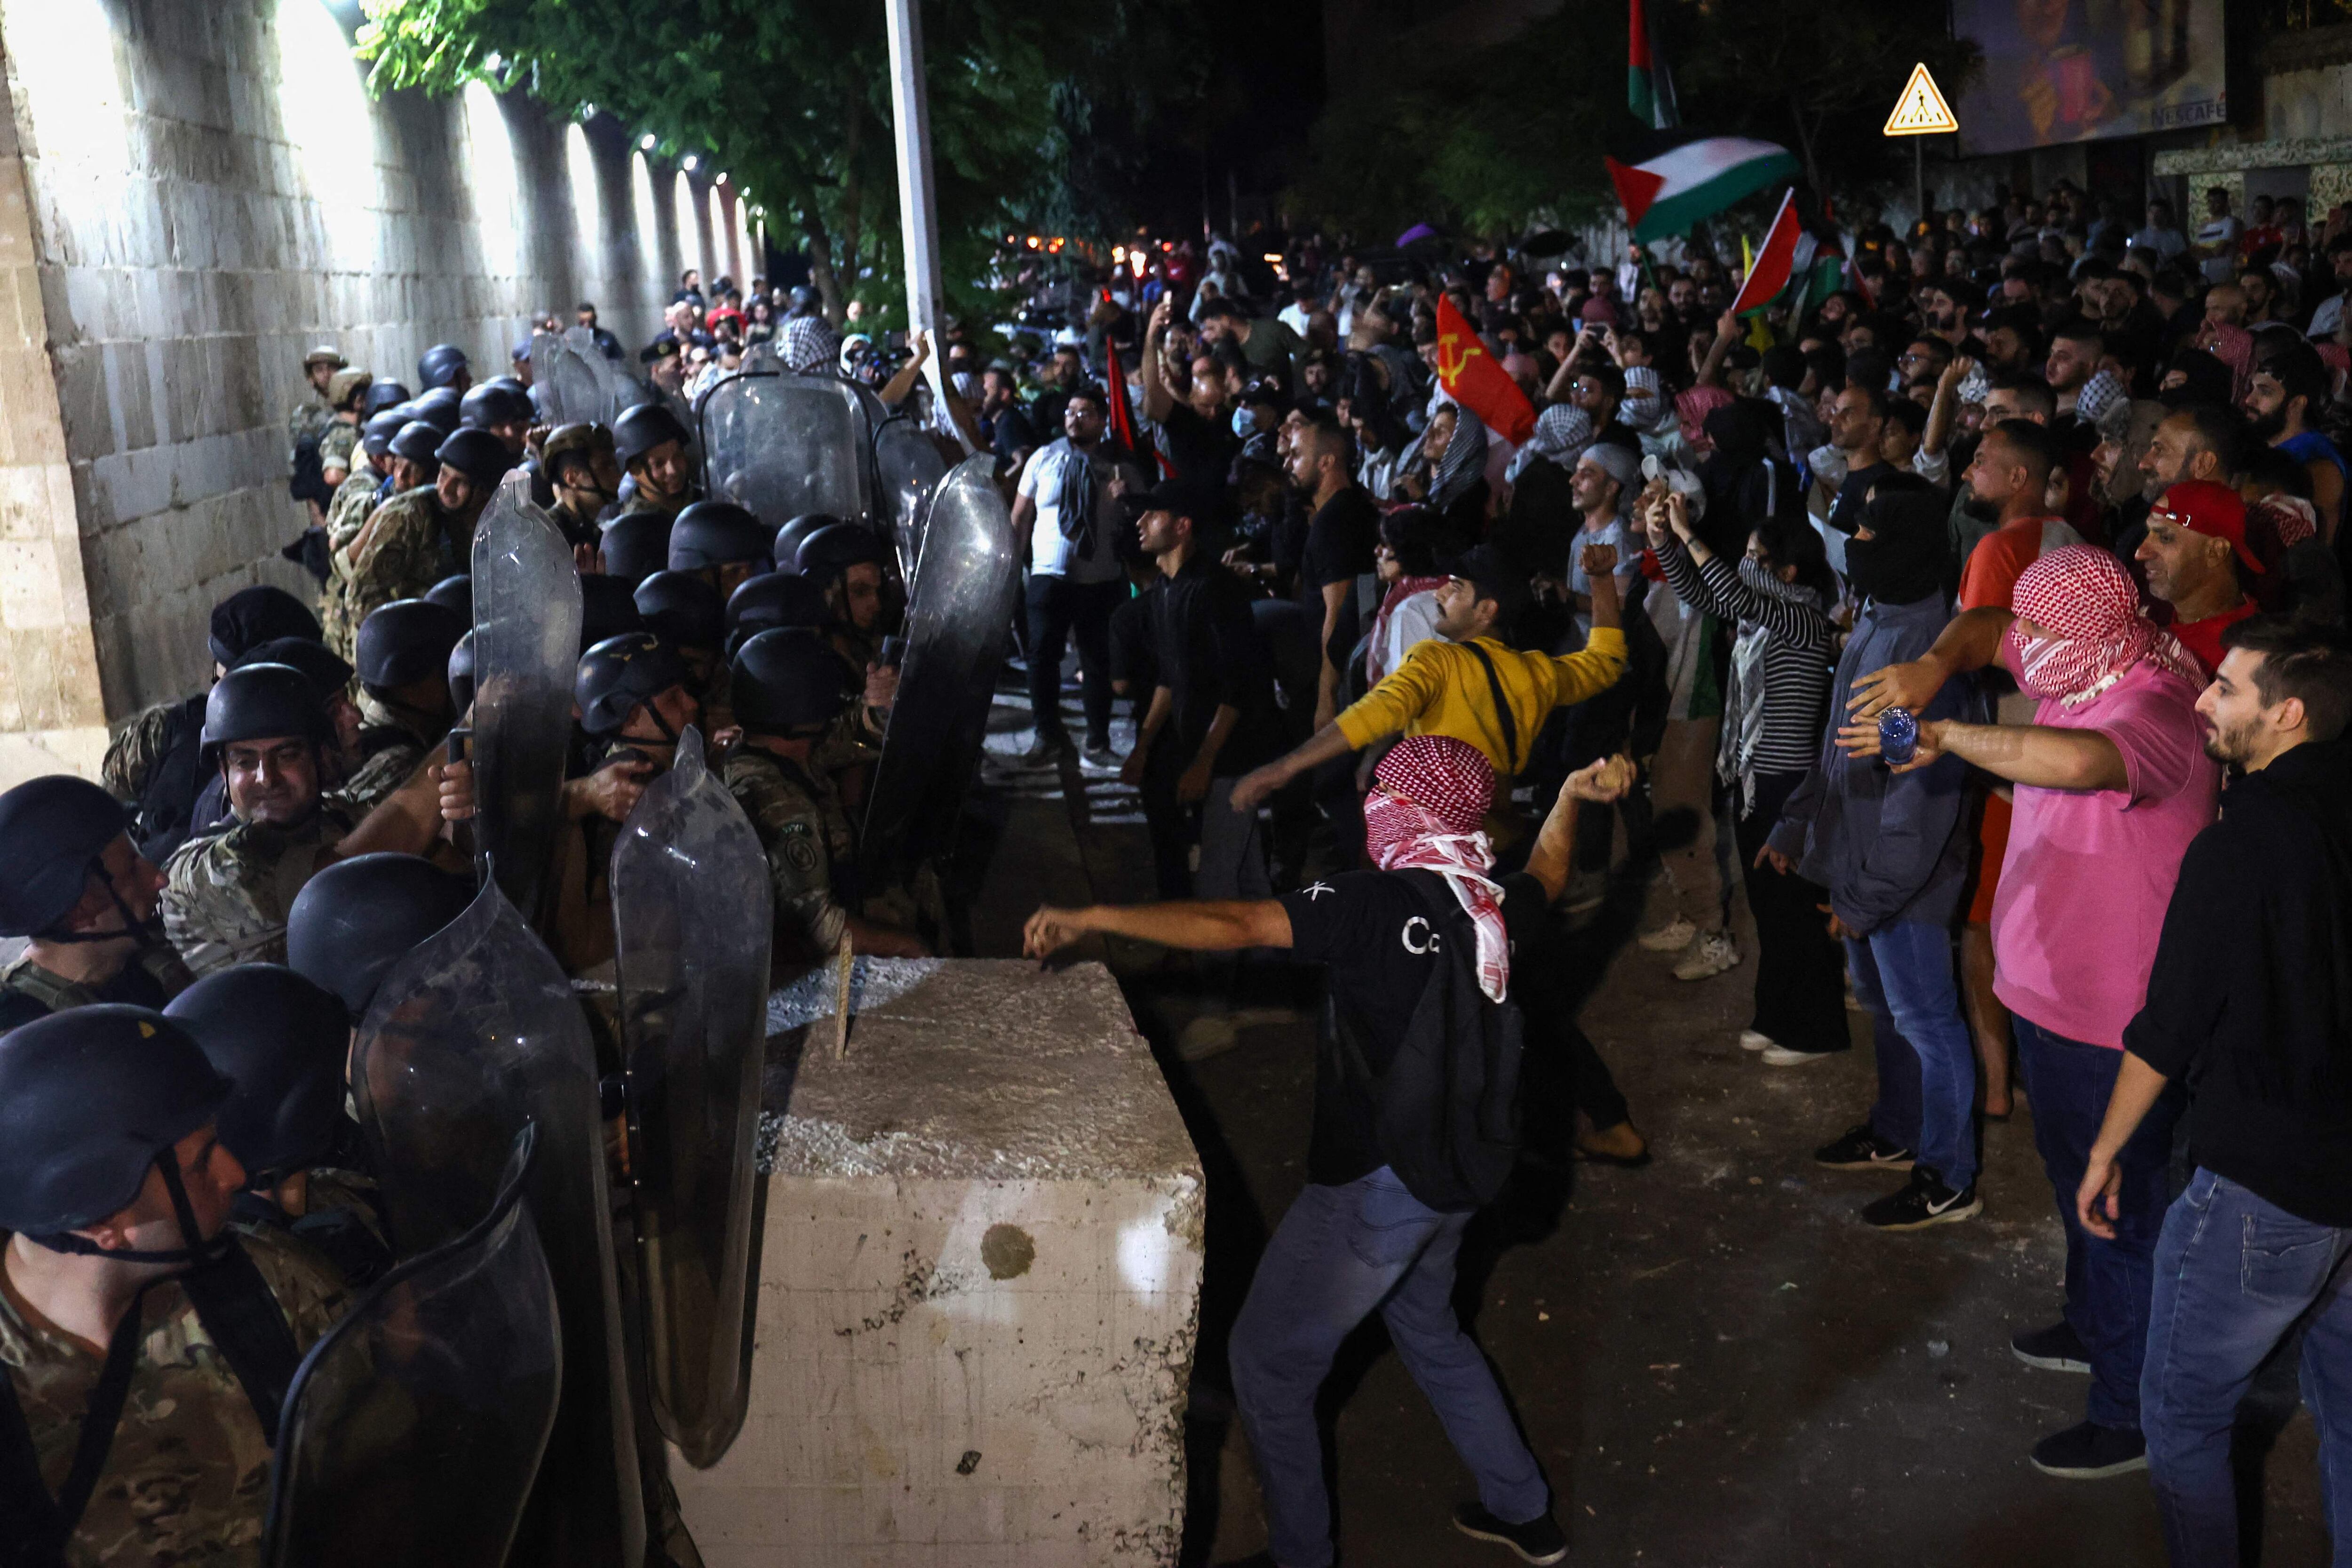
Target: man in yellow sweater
1467, 682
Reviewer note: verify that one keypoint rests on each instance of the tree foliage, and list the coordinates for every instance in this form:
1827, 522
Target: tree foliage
792, 98
1492, 138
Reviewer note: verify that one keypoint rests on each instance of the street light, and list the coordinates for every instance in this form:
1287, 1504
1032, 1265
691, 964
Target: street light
688, 163
646, 143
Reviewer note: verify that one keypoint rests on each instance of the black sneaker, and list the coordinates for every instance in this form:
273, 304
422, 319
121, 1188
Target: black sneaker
1923, 1201
1862, 1149
1537, 1540
2089, 1452
2057, 1348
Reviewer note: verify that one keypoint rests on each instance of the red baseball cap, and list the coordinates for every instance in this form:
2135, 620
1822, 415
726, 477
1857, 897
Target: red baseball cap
2209, 508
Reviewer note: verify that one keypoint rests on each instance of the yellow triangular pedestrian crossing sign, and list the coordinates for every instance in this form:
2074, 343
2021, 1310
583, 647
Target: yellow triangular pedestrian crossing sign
1921, 111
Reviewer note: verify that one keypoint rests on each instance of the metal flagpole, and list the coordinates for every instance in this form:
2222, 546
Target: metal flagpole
918, 200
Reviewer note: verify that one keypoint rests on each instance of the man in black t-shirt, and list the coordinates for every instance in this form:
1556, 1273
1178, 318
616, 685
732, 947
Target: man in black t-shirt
1357, 1240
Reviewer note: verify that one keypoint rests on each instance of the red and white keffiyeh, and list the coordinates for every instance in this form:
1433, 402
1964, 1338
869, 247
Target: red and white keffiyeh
2085, 599
1432, 794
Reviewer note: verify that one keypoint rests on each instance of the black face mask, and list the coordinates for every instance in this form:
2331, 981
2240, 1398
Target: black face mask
1908, 556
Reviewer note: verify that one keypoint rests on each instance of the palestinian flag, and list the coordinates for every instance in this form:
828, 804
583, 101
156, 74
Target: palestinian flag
1649, 86
1668, 192
1769, 270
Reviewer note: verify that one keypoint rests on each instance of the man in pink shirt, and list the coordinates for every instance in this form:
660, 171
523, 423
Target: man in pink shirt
2112, 782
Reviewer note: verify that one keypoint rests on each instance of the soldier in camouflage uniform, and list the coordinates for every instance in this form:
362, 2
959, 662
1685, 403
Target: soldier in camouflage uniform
338, 750
71, 881
579, 462
411, 470
404, 706
652, 447
115, 1187
347, 393
312, 416
416, 538
789, 689
225, 897
356, 499
849, 563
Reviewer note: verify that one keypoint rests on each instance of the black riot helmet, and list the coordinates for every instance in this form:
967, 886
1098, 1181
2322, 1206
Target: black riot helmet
251, 616
500, 401
355, 919
608, 608
259, 702
91, 1099
439, 365
789, 537
52, 831
777, 599
643, 429
439, 408
417, 441
384, 396
328, 674
281, 1040
682, 609
622, 673
477, 454
635, 546
717, 533
375, 436
827, 553
461, 674
456, 592
788, 682
406, 641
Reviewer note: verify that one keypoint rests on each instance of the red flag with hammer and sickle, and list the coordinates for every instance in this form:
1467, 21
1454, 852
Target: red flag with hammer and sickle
1472, 378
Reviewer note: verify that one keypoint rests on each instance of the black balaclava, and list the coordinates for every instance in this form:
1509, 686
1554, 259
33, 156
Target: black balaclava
1909, 552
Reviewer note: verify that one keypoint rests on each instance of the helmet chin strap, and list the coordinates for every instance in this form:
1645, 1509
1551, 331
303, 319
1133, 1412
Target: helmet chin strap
192, 1249
148, 930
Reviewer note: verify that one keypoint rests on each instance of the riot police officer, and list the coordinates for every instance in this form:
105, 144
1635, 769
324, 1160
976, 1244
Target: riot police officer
721, 543
846, 562
281, 1040
634, 546
652, 447
145, 1347
687, 614
416, 538
354, 921
403, 673
72, 882
445, 364
789, 689
502, 407
338, 751
580, 463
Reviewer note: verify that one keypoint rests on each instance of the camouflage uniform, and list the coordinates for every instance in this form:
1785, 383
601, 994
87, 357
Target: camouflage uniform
187, 1481
225, 898
391, 750
343, 1224
310, 417
137, 747
404, 548
810, 846
152, 978
640, 499
339, 446
346, 515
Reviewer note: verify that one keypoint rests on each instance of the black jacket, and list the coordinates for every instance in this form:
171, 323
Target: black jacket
2250, 997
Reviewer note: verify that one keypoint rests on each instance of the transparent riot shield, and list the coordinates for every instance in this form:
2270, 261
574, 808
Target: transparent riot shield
471, 1036
575, 381
959, 629
784, 445
691, 911
908, 467
414, 1429
526, 650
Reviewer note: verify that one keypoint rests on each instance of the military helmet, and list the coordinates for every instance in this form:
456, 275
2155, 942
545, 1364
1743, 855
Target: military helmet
787, 681
281, 1041
828, 553
326, 673
717, 533
355, 919
383, 396
643, 429
635, 546
500, 401
324, 354
461, 674
406, 641
251, 616
579, 439
683, 609
440, 364
345, 386
259, 702
777, 599
477, 454
608, 608
455, 592
52, 831
89, 1098
417, 441
789, 537
620, 673
375, 436
439, 408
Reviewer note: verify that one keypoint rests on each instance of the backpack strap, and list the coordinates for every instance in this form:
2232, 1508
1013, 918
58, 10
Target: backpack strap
237, 1309
34, 1526
1501, 710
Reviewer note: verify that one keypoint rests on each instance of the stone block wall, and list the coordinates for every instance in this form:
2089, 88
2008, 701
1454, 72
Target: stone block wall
191, 196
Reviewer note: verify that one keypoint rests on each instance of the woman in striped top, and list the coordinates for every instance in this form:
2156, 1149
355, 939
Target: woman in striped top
1775, 702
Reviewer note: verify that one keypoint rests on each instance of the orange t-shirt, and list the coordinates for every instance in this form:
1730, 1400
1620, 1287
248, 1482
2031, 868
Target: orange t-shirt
2000, 557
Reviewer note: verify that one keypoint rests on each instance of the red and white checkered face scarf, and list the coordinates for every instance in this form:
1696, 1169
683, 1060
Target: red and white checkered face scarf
1432, 795
2084, 598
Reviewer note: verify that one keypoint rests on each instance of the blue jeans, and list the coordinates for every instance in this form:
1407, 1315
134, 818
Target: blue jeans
2108, 1282
1339, 1254
1927, 1062
2233, 1273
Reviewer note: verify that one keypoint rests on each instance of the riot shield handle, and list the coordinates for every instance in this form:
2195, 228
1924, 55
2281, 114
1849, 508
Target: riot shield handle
459, 749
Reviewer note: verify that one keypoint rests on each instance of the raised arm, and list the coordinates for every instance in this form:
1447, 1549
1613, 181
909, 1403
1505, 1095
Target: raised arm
1970, 641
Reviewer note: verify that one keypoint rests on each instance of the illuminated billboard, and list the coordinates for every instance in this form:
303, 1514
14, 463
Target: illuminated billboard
2073, 70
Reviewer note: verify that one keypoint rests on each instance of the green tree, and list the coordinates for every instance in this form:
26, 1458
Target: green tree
792, 97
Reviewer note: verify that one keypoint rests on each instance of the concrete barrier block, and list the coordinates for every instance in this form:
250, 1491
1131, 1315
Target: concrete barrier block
979, 1278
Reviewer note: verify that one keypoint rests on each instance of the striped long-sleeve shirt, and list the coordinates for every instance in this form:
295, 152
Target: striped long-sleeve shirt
1778, 729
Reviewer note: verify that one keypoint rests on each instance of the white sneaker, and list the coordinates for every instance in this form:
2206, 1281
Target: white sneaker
1749, 1040
1712, 954
1672, 937
1779, 1055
